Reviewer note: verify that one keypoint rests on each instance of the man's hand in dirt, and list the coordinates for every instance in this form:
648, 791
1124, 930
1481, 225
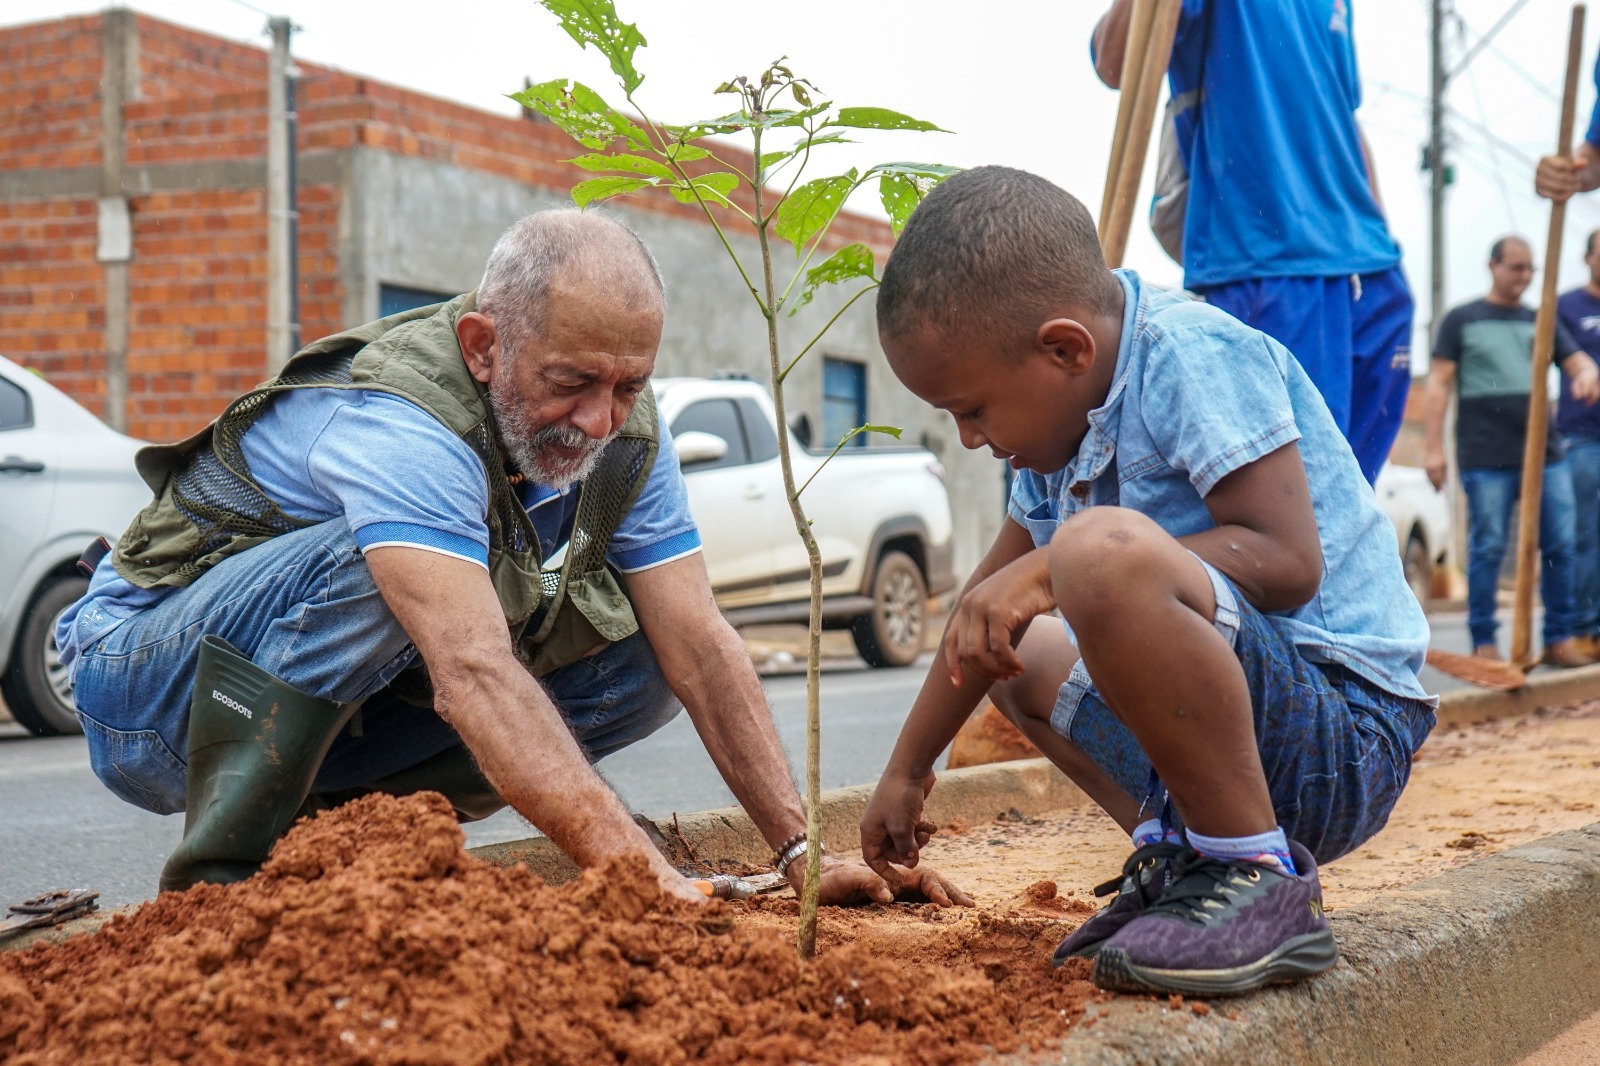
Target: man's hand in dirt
846, 884
979, 634
1558, 177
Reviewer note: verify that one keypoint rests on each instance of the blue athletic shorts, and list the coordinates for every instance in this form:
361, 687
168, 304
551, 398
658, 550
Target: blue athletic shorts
1352, 334
1336, 747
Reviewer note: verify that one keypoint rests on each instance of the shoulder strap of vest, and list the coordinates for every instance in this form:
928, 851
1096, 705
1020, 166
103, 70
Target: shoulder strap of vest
604, 498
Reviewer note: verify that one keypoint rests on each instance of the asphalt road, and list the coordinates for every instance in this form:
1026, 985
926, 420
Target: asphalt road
59, 828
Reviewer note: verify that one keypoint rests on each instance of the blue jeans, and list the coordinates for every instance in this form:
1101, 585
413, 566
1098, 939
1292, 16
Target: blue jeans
1352, 334
303, 607
1336, 748
1491, 494
1583, 456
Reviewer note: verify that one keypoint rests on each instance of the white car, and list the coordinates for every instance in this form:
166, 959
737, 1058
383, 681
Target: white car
1421, 517
881, 516
65, 479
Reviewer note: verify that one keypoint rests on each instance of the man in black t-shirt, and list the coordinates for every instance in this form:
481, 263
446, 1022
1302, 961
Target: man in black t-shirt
1483, 354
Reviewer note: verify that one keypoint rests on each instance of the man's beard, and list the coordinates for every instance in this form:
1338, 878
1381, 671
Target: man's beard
529, 447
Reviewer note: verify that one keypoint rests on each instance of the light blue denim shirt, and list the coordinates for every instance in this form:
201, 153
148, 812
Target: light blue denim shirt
1196, 396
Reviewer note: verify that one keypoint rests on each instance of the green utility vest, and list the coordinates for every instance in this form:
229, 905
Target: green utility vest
207, 505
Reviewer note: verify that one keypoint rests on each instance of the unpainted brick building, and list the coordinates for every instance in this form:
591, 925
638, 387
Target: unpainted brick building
133, 232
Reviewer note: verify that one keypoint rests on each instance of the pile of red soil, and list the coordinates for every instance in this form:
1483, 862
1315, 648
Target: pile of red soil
372, 937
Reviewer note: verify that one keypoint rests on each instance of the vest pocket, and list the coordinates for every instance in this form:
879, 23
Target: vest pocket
595, 612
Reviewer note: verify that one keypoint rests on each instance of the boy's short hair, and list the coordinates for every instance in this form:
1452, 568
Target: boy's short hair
993, 252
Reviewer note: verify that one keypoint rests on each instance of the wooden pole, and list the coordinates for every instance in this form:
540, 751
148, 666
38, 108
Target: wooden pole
1130, 166
1544, 332
1133, 55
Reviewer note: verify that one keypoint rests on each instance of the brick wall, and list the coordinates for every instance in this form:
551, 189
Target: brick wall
52, 299
197, 280
50, 95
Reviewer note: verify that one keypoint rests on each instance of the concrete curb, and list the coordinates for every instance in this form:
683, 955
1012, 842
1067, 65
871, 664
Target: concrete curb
1542, 690
978, 793
1481, 965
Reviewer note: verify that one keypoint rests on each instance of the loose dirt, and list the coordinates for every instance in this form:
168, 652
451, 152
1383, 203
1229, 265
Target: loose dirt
372, 937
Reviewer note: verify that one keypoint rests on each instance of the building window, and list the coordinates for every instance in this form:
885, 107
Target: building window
392, 299
844, 401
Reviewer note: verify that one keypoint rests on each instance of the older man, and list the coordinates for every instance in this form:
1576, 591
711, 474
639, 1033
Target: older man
342, 583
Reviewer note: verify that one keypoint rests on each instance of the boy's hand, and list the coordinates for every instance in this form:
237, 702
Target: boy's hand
892, 826
846, 884
979, 634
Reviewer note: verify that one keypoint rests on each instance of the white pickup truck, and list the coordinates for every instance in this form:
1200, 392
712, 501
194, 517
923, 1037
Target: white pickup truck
881, 516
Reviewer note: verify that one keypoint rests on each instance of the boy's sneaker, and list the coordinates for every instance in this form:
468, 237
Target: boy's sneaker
1222, 927
1144, 876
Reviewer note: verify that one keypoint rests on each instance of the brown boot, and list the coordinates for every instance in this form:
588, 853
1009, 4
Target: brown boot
1488, 651
1567, 653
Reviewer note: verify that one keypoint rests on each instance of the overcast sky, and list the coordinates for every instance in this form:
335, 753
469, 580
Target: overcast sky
1012, 80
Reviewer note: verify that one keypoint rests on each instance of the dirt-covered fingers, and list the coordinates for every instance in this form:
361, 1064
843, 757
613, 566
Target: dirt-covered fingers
848, 883
926, 884
892, 827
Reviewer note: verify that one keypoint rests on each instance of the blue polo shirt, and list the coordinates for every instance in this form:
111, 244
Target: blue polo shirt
396, 475
1196, 396
1278, 182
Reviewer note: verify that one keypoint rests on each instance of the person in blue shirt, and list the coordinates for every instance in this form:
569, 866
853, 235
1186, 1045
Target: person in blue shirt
1579, 422
396, 542
1284, 229
1235, 681
1558, 177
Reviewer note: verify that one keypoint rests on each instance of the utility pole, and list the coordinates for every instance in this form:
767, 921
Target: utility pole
1438, 169
282, 217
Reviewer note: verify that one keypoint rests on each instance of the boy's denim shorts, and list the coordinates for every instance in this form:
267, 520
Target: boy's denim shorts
1335, 746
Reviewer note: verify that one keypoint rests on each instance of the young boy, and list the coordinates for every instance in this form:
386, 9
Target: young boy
1236, 682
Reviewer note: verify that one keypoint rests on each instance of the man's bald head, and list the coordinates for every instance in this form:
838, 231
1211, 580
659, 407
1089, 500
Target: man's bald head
564, 250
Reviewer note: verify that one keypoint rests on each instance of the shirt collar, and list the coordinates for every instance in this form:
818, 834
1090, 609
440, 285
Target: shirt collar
1099, 444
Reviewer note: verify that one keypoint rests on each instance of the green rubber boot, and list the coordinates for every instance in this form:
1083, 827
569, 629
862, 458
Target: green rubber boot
255, 745
451, 773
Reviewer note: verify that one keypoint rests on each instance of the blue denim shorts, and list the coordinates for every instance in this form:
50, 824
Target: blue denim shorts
1335, 746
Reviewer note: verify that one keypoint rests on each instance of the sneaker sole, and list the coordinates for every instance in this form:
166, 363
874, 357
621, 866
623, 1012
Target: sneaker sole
1298, 957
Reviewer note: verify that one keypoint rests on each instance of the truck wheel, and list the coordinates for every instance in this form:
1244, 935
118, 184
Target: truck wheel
1418, 567
35, 685
892, 634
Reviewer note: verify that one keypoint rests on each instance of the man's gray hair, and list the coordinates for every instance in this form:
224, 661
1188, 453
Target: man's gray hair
562, 242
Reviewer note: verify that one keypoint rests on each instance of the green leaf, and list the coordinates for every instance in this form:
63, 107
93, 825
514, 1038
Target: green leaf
769, 160
900, 197
632, 164
595, 22
738, 120
714, 187
685, 153
851, 261
891, 431
805, 212
901, 187
580, 113
587, 192
880, 118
